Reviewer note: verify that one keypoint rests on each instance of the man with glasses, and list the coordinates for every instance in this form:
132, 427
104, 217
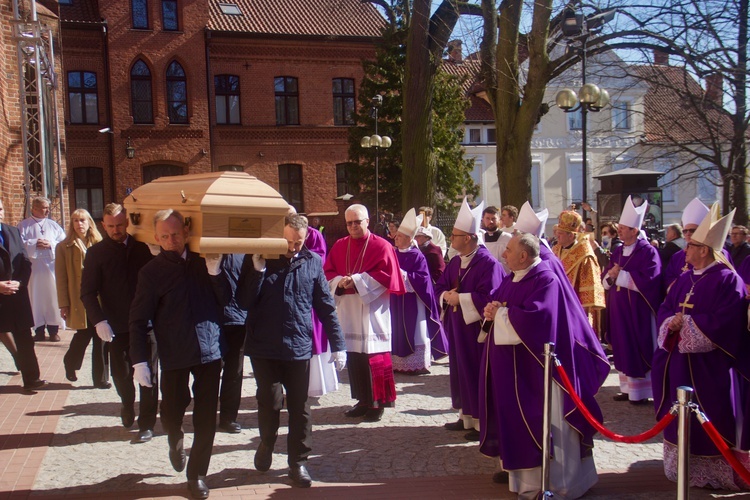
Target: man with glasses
702, 325
694, 213
362, 271
740, 247
633, 281
464, 290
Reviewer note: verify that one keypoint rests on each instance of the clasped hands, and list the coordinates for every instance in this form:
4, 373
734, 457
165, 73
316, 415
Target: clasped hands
347, 282
9, 287
452, 297
614, 272
490, 310
676, 323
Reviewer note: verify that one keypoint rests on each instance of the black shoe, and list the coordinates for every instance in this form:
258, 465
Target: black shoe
143, 437
104, 385
500, 477
39, 337
472, 435
38, 383
357, 410
374, 415
177, 457
54, 337
197, 488
230, 427
70, 374
127, 415
263, 457
455, 426
299, 476
621, 396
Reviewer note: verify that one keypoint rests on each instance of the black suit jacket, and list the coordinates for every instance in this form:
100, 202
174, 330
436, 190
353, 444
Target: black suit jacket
15, 310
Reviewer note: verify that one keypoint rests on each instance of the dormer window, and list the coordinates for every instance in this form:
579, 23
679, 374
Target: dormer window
230, 9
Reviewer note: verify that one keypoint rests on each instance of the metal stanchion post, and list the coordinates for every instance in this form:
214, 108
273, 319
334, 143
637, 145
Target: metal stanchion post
684, 398
549, 351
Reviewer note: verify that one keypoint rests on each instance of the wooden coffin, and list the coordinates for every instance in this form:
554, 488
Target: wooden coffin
227, 212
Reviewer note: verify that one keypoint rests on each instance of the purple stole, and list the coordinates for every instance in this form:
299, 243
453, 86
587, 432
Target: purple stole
719, 310
482, 277
630, 312
404, 308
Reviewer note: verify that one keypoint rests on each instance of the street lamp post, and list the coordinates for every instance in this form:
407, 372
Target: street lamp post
377, 142
590, 97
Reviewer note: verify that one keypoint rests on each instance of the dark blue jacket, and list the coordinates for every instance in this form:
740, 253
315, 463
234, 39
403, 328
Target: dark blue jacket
231, 266
279, 305
185, 305
109, 279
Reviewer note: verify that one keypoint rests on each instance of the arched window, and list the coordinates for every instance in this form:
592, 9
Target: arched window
176, 94
140, 93
153, 172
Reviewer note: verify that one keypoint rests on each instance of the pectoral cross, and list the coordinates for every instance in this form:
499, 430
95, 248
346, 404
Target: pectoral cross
687, 304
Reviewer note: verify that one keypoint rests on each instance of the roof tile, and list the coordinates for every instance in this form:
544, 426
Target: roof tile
351, 18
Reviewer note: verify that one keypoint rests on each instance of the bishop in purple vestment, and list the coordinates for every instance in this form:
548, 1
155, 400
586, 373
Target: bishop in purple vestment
529, 309
702, 336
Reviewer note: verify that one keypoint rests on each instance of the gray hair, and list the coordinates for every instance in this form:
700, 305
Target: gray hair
163, 215
529, 243
296, 222
360, 210
39, 200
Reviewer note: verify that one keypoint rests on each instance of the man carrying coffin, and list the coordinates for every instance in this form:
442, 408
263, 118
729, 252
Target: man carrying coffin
701, 325
633, 281
417, 332
463, 291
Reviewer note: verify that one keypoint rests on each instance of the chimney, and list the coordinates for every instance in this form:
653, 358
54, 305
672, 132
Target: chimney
661, 58
454, 51
715, 88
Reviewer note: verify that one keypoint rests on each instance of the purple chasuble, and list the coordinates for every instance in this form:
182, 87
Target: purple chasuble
589, 356
404, 308
317, 244
630, 312
718, 309
677, 266
512, 384
480, 278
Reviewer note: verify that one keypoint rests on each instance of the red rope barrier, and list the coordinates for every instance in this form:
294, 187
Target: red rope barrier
724, 449
638, 438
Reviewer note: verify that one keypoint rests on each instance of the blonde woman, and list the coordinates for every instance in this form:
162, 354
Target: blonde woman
69, 255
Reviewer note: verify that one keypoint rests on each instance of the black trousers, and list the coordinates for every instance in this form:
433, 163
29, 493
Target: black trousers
175, 398
122, 375
294, 376
73, 358
27, 361
231, 378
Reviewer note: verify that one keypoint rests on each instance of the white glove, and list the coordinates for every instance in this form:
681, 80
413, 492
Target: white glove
213, 263
142, 374
259, 263
105, 331
338, 359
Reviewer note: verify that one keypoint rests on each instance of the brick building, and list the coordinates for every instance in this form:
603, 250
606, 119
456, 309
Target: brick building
264, 86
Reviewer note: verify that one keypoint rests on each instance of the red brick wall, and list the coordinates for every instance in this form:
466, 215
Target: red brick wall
258, 145
161, 142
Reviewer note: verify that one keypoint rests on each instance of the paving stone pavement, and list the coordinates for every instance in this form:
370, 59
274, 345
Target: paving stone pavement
90, 454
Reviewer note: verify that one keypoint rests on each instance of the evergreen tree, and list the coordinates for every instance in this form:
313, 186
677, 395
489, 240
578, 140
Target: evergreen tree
385, 77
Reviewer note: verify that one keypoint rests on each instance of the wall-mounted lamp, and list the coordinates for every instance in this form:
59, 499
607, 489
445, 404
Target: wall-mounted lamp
261, 155
204, 151
129, 150
105, 130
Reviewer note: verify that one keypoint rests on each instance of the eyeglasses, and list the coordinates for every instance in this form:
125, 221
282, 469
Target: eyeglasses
355, 222
688, 231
